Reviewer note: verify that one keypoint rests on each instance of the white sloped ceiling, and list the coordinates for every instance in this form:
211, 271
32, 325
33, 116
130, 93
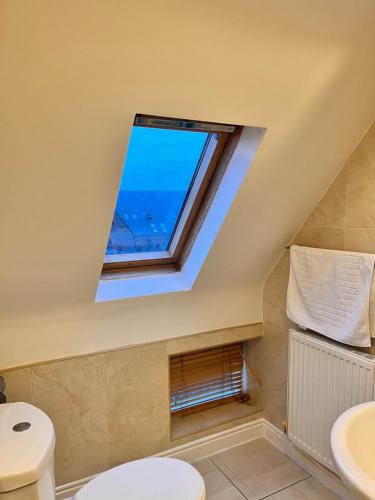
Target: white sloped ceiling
73, 74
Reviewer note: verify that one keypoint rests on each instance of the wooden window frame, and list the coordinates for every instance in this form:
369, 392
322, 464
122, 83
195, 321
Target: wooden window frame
216, 168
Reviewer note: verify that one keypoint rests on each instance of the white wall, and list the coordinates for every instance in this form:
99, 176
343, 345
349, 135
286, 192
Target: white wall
73, 76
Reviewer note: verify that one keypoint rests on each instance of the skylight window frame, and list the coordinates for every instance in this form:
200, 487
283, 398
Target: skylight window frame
182, 238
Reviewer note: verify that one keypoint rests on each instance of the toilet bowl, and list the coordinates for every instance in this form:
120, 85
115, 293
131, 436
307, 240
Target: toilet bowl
146, 479
27, 442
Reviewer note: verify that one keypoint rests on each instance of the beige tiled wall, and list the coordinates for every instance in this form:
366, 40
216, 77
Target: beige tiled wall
73, 394
111, 407
138, 404
344, 219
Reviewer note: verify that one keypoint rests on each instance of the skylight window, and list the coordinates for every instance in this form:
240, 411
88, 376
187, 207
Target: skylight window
171, 170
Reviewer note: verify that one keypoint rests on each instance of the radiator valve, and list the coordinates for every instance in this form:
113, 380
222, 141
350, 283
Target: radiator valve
284, 426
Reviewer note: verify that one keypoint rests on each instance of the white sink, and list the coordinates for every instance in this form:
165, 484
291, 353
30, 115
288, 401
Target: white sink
353, 448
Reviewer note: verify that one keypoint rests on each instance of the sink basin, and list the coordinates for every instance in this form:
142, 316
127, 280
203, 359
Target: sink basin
353, 448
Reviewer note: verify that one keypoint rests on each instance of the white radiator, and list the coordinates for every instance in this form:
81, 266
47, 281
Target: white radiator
324, 381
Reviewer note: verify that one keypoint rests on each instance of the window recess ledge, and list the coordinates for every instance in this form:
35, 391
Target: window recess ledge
117, 286
114, 287
212, 419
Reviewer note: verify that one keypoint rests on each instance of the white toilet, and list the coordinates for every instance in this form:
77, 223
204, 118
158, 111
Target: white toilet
27, 442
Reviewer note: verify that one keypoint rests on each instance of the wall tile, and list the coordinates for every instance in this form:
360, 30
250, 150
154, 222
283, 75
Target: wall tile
18, 385
138, 402
209, 339
361, 184
330, 211
361, 240
271, 364
274, 295
73, 394
321, 237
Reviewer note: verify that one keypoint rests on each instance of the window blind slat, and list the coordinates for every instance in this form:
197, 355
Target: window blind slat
181, 388
219, 359
207, 376
204, 373
208, 396
210, 370
235, 355
203, 355
198, 398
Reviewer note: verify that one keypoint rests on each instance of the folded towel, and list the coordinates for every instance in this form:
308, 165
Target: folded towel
329, 292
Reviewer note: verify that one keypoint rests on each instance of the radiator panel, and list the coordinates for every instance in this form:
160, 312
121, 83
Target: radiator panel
324, 380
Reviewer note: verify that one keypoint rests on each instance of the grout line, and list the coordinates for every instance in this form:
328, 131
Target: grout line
287, 487
32, 385
347, 229
361, 227
229, 479
327, 226
236, 481
222, 470
107, 408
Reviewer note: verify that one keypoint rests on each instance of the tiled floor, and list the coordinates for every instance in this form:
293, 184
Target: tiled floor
258, 470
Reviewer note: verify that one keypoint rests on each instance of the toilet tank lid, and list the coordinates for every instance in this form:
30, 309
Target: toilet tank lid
27, 442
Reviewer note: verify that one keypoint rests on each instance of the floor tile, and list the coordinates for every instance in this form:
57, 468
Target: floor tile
258, 469
308, 489
218, 486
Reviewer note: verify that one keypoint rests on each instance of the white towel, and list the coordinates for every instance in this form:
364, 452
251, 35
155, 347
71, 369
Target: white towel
329, 292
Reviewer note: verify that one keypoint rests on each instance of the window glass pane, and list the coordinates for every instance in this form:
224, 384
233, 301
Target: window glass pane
159, 169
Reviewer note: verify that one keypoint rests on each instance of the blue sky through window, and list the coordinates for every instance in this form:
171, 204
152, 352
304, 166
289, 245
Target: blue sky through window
159, 168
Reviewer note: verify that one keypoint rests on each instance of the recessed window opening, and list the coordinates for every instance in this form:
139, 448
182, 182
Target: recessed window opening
208, 378
170, 172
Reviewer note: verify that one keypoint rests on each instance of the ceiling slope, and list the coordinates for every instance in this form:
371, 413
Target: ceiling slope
73, 74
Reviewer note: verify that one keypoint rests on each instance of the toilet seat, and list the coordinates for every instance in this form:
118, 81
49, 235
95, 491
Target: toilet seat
146, 479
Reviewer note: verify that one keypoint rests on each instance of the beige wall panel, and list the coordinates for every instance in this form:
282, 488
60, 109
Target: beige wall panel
73, 394
138, 402
271, 363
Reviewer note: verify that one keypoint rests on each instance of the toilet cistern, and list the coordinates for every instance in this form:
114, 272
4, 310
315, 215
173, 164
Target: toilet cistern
27, 443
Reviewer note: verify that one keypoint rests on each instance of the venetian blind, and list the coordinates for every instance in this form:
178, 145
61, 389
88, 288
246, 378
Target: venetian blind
208, 377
